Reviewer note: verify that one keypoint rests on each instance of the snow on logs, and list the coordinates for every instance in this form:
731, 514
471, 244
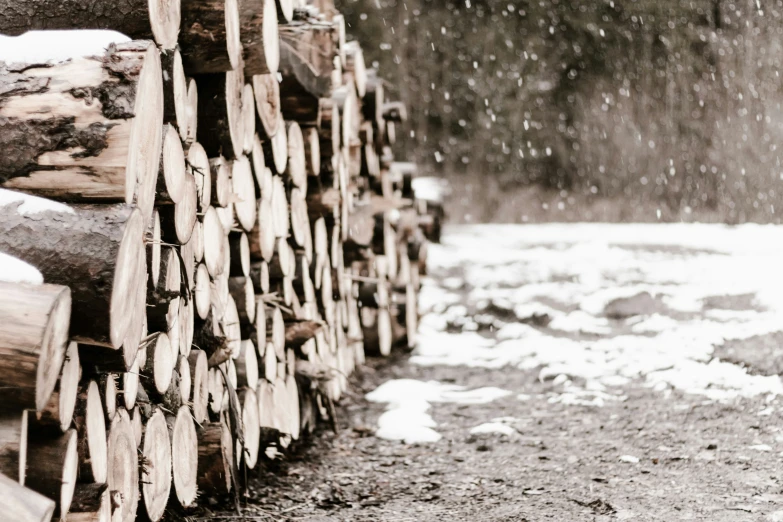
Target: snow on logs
223, 236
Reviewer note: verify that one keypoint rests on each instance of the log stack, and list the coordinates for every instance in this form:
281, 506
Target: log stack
201, 235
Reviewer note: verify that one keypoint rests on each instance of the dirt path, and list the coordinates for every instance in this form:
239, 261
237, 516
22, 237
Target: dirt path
598, 373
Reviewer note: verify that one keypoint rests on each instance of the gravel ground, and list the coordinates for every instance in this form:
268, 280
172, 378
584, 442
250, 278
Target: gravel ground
578, 444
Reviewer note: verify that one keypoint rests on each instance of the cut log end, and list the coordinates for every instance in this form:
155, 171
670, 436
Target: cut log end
123, 467
155, 466
184, 456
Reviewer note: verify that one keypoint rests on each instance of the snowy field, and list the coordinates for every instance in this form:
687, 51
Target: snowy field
592, 308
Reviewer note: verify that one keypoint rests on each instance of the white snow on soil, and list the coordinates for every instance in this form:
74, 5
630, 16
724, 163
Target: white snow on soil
533, 297
409, 400
13, 270
29, 205
57, 46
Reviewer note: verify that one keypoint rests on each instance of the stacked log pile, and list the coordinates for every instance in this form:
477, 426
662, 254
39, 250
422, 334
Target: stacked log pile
202, 232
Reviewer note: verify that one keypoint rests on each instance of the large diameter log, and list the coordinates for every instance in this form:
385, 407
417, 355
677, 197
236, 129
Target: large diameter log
138, 19
209, 37
58, 412
123, 469
260, 37
22, 504
97, 251
33, 340
52, 466
99, 136
215, 458
266, 90
220, 129
184, 456
91, 428
155, 466
13, 444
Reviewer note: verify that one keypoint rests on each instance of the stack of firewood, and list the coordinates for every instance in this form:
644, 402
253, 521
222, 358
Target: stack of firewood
202, 231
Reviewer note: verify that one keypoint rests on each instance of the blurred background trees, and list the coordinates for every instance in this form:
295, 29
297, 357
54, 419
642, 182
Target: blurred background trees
670, 107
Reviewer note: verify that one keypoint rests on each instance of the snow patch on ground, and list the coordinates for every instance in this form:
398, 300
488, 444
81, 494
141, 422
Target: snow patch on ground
406, 418
13, 270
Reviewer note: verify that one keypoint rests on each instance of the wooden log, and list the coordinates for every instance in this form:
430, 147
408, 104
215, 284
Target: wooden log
232, 328
202, 293
372, 104
276, 148
192, 112
312, 146
107, 384
130, 384
199, 168
210, 337
280, 212
164, 302
270, 362
175, 92
33, 342
266, 410
182, 371
97, 251
239, 253
275, 328
57, 414
285, 10
292, 394
244, 194
199, 376
280, 266
137, 18
155, 466
172, 171
303, 284
355, 66
109, 109
248, 118
214, 244
251, 428
247, 366
307, 57
242, 291
13, 446
91, 428
220, 129
178, 221
261, 240
184, 456
304, 109
221, 182
52, 466
329, 128
297, 333
22, 504
210, 37
296, 169
300, 219
260, 36
266, 90
259, 275
159, 367
215, 458
91, 503
377, 331
123, 469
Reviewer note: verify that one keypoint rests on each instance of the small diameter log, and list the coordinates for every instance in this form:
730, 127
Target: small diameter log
292, 393
247, 366
91, 428
192, 112
262, 237
123, 470
199, 377
377, 331
33, 341
270, 362
210, 37
275, 328
97, 251
261, 174
178, 221
259, 275
175, 92
130, 384
107, 384
22, 504
266, 409
220, 129
91, 503
202, 292
354, 65
241, 289
280, 266
276, 148
232, 327
330, 128
214, 244
13, 446
58, 412
221, 182
185, 384
184, 456
172, 171
266, 89
251, 428
52, 466
215, 458
244, 193
312, 145
187, 326
152, 242
159, 366
109, 110
297, 333
300, 220
280, 219
296, 168
210, 337
285, 10
302, 108
199, 167
164, 301
303, 284
155, 466
239, 248
248, 118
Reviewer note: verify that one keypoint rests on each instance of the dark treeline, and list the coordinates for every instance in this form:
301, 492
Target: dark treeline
674, 104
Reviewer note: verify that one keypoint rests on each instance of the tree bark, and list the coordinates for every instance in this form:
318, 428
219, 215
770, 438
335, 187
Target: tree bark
52, 466
97, 251
260, 36
58, 412
109, 109
91, 503
22, 504
13, 446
